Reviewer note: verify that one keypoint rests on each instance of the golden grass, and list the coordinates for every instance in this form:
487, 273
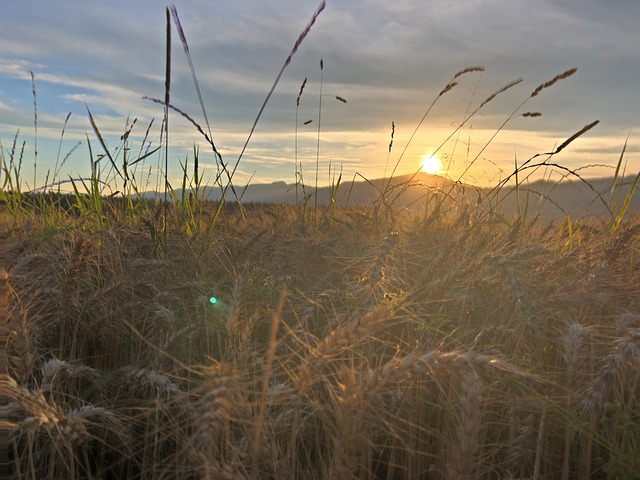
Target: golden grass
446, 341
455, 352
6, 420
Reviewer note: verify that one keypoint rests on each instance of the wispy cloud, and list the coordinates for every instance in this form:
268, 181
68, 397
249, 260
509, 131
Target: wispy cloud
389, 59
6, 108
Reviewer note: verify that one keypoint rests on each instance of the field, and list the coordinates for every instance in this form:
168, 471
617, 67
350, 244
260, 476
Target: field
180, 338
428, 345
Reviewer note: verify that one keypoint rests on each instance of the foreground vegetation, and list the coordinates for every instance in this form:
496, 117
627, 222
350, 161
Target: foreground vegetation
424, 346
185, 339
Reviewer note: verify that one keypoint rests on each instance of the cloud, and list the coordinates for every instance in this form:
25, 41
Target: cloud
388, 59
6, 108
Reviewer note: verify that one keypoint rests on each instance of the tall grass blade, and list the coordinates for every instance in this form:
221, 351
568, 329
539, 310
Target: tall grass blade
167, 101
618, 186
103, 143
64, 126
185, 46
144, 157
315, 199
447, 88
615, 186
579, 133
299, 41
35, 129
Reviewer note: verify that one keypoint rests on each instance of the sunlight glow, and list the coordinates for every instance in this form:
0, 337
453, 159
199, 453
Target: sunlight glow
431, 163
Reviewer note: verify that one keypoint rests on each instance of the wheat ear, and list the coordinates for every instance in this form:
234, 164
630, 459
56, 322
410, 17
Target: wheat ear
339, 339
462, 463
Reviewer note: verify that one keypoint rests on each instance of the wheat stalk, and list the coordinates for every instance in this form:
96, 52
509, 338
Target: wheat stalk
63, 373
215, 406
40, 412
239, 328
158, 383
4, 317
462, 454
22, 360
4, 326
336, 341
572, 343
7, 410
389, 243
350, 406
269, 359
5, 288
522, 438
616, 368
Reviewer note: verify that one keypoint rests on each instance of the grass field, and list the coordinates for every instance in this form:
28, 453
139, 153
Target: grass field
190, 339
415, 347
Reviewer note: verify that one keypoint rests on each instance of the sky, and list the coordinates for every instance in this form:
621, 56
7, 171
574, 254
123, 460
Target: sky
388, 60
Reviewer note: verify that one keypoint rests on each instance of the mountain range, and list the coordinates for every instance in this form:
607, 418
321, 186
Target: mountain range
549, 199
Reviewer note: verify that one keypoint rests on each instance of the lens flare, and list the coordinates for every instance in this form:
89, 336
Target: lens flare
213, 300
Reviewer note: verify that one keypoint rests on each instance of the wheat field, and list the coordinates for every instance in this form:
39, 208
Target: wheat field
182, 338
417, 347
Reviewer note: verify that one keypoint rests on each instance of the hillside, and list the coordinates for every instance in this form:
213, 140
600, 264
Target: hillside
548, 199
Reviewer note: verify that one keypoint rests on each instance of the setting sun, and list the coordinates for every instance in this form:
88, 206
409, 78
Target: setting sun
431, 163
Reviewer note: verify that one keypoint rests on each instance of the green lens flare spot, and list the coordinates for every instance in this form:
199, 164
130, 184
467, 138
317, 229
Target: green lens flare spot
213, 300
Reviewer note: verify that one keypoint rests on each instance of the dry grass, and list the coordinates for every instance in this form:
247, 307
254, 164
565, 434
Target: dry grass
188, 340
398, 355
6, 420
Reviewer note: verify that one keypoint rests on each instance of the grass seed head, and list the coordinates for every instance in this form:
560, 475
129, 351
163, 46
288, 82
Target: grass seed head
468, 70
557, 78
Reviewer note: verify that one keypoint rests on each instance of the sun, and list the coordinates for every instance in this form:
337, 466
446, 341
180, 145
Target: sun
431, 163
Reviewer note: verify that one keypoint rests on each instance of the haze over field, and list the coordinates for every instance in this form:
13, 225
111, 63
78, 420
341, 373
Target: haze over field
389, 60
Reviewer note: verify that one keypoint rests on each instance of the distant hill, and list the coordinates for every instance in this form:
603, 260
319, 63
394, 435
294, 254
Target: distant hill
576, 198
549, 199
361, 192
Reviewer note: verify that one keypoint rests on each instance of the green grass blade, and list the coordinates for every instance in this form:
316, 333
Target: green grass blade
615, 186
96, 130
625, 205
